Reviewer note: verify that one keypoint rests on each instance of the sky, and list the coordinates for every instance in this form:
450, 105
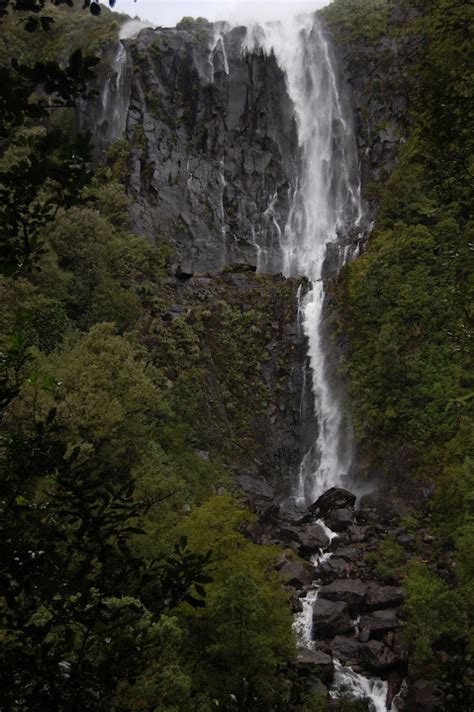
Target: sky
169, 12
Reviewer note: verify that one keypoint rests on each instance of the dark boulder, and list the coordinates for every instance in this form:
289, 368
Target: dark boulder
332, 569
380, 622
312, 537
330, 618
296, 574
311, 659
307, 538
315, 666
349, 553
352, 591
334, 498
346, 649
378, 657
397, 643
357, 534
340, 519
408, 541
378, 596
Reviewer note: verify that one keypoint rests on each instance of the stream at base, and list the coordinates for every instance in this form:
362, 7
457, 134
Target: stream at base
346, 680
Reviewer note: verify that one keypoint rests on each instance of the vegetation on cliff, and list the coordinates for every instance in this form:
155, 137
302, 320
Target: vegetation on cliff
404, 305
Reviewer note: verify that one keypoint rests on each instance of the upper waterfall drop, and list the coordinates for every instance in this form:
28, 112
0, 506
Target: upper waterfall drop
115, 94
325, 206
115, 98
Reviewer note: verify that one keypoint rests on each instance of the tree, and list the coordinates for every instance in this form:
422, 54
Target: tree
33, 187
35, 19
80, 612
243, 647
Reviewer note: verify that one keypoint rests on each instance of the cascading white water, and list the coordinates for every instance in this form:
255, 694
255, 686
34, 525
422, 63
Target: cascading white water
115, 94
218, 46
325, 205
114, 98
360, 687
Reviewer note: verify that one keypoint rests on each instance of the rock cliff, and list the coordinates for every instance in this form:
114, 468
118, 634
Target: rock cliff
213, 146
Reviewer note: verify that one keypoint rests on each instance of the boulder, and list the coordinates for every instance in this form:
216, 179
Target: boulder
364, 634
349, 553
312, 537
296, 574
317, 663
380, 622
346, 649
408, 541
330, 618
308, 538
334, 498
378, 657
340, 519
314, 658
357, 534
398, 645
332, 569
352, 591
378, 596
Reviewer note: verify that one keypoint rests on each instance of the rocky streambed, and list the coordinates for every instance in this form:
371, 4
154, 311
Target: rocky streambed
348, 620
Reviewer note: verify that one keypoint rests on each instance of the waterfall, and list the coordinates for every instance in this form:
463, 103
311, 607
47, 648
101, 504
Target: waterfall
217, 46
115, 98
325, 205
361, 688
115, 94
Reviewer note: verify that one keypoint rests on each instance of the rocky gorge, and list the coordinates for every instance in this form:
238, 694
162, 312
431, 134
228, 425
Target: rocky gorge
235, 376
211, 154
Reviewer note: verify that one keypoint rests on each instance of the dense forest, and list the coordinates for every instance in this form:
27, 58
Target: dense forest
129, 577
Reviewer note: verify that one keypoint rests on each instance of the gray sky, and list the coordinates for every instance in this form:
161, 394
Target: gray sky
168, 13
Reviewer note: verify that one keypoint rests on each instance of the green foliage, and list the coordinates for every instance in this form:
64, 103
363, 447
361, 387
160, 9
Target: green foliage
242, 639
387, 560
352, 19
405, 307
405, 300
434, 612
188, 21
105, 414
38, 175
79, 611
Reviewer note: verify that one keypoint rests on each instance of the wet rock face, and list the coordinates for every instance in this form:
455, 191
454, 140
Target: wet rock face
214, 146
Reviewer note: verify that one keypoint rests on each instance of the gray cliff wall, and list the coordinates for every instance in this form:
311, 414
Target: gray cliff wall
213, 153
